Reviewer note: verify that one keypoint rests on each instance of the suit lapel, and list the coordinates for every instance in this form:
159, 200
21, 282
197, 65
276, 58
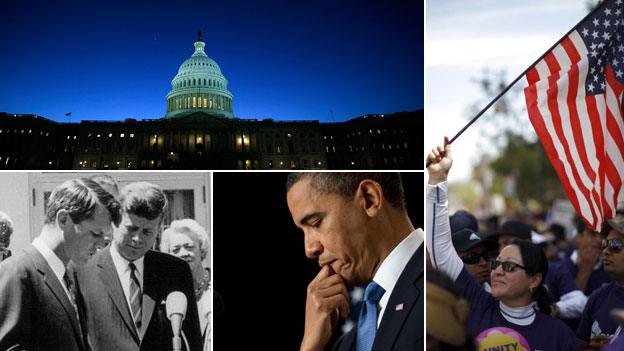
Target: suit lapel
348, 341
401, 302
52, 282
110, 280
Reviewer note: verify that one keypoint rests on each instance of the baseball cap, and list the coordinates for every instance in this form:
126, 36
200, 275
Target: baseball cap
466, 239
463, 220
516, 229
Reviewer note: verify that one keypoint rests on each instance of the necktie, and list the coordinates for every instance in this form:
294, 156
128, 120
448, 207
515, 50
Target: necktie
367, 322
136, 298
69, 284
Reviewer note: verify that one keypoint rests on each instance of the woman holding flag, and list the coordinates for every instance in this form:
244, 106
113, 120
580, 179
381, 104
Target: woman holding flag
516, 314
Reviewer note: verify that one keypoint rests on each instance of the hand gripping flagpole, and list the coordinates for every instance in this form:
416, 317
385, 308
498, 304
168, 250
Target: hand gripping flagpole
504, 91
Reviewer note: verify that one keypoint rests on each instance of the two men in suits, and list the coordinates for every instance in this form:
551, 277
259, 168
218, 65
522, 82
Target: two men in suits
40, 308
356, 226
125, 285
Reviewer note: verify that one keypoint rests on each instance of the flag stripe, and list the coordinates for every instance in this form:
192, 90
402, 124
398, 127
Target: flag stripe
574, 101
538, 122
554, 123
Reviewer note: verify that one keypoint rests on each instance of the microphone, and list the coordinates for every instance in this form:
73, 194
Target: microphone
176, 311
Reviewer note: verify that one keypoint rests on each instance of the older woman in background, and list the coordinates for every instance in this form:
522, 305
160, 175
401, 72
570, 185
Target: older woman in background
6, 229
189, 241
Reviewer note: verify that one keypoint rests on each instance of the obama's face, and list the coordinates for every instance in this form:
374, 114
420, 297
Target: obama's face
336, 231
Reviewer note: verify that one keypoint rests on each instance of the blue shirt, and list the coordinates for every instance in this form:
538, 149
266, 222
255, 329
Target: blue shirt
596, 317
597, 279
616, 345
559, 280
544, 334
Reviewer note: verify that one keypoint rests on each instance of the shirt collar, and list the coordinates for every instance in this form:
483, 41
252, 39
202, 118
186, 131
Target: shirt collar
51, 258
392, 266
122, 265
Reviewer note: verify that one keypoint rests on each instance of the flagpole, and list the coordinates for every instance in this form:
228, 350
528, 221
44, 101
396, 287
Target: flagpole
476, 117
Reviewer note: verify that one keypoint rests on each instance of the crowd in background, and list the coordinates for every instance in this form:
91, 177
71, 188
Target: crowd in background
516, 281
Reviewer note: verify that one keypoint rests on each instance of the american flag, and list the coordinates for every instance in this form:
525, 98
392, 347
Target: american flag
574, 101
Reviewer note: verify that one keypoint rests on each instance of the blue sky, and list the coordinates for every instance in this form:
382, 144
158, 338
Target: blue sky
463, 38
283, 59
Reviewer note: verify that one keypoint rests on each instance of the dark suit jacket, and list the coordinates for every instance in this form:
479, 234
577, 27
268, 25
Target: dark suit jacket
110, 323
403, 329
35, 311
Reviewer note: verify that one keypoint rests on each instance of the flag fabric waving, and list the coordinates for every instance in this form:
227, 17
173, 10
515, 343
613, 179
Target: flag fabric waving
574, 101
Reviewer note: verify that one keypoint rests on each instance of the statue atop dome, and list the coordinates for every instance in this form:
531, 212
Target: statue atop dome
199, 35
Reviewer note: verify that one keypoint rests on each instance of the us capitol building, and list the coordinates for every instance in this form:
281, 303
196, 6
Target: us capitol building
200, 131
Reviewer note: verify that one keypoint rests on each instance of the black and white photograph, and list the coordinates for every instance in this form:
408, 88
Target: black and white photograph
105, 261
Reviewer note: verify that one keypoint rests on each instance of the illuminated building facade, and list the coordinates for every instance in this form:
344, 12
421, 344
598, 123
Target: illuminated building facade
200, 131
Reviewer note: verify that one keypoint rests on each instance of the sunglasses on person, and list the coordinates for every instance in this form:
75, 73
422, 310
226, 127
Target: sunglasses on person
475, 257
614, 245
508, 266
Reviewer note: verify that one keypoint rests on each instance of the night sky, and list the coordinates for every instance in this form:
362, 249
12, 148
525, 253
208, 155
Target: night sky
285, 60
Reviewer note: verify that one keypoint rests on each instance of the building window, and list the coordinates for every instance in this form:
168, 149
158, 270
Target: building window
194, 101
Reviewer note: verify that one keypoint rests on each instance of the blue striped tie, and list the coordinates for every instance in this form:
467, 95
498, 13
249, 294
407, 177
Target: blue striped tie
136, 298
367, 322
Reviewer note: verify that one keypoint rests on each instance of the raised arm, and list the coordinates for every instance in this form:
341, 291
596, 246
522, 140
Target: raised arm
439, 244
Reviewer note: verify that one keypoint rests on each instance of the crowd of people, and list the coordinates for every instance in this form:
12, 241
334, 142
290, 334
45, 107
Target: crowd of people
95, 277
510, 286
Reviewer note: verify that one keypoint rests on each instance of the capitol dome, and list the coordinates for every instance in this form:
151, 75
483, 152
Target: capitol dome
199, 86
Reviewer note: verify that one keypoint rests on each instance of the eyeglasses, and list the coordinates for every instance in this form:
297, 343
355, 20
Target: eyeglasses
508, 266
614, 244
475, 257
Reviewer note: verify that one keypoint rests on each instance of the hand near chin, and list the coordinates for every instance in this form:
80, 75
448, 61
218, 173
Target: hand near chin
327, 300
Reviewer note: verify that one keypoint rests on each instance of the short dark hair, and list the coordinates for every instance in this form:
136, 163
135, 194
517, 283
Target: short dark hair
79, 197
107, 182
346, 183
143, 199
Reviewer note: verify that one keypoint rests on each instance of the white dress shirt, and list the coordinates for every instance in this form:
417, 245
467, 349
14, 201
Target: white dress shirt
391, 268
123, 272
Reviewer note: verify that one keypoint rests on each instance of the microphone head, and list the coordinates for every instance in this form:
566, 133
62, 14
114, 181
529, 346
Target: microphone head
176, 304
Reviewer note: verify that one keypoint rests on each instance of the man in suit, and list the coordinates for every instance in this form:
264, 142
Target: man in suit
356, 226
125, 285
39, 305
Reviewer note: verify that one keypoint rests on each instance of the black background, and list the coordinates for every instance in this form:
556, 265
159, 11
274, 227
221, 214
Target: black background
259, 266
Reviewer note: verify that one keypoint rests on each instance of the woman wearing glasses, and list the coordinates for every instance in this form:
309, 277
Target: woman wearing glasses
518, 307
